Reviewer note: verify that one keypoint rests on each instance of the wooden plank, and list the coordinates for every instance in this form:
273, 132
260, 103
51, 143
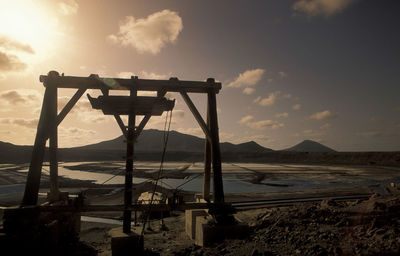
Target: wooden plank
71, 103
129, 166
35, 168
53, 144
207, 164
95, 82
196, 114
215, 149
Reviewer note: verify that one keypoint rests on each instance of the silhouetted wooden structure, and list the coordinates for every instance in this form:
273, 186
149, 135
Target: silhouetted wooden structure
119, 105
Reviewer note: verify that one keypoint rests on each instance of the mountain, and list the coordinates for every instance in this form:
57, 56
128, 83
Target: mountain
153, 141
309, 146
188, 148
10, 153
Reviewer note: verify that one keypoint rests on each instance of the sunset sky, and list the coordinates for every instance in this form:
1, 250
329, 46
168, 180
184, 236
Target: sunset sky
326, 70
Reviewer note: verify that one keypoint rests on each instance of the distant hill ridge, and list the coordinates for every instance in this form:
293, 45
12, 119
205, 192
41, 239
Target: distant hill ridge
188, 148
309, 146
152, 140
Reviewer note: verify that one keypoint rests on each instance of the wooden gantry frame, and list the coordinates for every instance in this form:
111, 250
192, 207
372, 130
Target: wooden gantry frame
50, 119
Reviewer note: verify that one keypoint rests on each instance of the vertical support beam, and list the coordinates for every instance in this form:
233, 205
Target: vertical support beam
129, 167
207, 163
53, 147
218, 194
147, 117
35, 168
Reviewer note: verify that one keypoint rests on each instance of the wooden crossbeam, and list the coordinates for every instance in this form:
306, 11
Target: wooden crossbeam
53, 79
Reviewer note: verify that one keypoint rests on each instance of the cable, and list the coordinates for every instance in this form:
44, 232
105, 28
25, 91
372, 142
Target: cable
115, 175
165, 137
189, 180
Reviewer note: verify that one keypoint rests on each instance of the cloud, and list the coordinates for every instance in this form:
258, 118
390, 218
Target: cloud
225, 136
28, 123
10, 62
265, 124
75, 136
371, 134
259, 137
178, 113
83, 105
249, 121
281, 115
325, 126
24, 97
247, 78
83, 111
325, 8
143, 74
268, 101
7, 43
151, 34
296, 107
248, 90
323, 115
9, 48
282, 74
312, 134
68, 7
246, 119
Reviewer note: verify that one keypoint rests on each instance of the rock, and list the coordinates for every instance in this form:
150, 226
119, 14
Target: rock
328, 203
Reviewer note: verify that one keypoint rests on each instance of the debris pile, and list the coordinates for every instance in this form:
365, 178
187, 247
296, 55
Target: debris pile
363, 227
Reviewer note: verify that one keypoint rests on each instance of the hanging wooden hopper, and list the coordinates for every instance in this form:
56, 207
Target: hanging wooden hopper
138, 105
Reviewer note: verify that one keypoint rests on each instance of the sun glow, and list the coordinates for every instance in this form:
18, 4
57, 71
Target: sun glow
29, 23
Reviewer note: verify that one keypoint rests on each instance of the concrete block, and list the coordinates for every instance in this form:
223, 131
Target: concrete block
208, 233
190, 221
125, 244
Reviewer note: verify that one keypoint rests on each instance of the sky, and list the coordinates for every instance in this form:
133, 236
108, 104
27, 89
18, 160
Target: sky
325, 70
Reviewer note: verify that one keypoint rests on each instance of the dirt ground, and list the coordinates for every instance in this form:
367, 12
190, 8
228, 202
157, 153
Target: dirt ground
363, 227
356, 227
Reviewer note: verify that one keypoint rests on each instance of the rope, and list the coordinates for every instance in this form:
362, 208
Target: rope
165, 137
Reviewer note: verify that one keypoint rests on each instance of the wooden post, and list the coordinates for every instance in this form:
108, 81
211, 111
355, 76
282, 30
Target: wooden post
53, 144
129, 167
35, 168
218, 193
207, 163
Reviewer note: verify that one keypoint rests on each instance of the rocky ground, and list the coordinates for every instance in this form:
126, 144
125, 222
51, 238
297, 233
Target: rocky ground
370, 227
361, 227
